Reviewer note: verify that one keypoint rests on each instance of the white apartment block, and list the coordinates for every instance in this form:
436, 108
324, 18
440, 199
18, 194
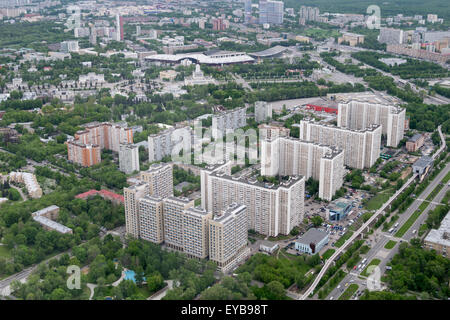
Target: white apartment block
290, 156
174, 220
360, 115
159, 178
271, 209
128, 158
195, 232
131, 203
29, 180
391, 36
228, 121
228, 236
361, 147
163, 143
272, 132
263, 111
151, 219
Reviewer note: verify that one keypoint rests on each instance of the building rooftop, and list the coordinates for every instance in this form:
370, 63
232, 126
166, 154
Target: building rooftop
339, 206
423, 162
415, 137
441, 235
229, 212
252, 180
269, 52
313, 235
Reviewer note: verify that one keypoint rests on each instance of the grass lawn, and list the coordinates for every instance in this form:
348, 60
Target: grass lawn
390, 244
5, 252
349, 292
344, 238
327, 254
405, 227
374, 262
376, 202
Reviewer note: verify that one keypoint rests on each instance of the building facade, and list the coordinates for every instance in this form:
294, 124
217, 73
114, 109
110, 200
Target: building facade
228, 236
128, 158
360, 115
159, 178
290, 156
361, 147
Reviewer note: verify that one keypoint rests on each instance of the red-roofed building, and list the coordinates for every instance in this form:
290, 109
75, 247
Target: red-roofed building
105, 194
320, 108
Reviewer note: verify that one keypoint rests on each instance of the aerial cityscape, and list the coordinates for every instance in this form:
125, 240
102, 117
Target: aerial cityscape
248, 150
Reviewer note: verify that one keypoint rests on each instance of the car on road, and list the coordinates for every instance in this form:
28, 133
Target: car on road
331, 298
414, 231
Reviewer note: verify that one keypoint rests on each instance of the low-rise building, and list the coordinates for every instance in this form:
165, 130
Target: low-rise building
339, 210
268, 247
439, 239
415, 142
312, 241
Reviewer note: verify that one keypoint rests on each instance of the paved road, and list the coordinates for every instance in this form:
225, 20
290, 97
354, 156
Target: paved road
380, 211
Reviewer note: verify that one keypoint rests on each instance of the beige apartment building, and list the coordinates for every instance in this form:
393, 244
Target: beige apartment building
151, 219
131, 203
173, 221
361, 147
290, 156
271, 209
228, 236
159, 177
359, 115
195, 232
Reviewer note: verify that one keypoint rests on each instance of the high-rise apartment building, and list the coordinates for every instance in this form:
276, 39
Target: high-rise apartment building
128, 158
361, 147
228, 121
359, 115
132, 195
163, 143
309, 13
159, 178
228, 236
271, 131
271, 209
290, 156
119, 28
263, 111
271, 12
106, 135
85, 155
69, 46
195, 232
391, 36
174, 220
151, 219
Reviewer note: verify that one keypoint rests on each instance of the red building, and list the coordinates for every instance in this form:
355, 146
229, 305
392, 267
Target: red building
319, 108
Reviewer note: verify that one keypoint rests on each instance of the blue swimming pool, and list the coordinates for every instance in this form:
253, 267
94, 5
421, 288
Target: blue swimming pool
130, 275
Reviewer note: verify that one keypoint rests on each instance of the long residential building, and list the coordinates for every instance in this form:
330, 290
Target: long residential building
361, 147
228, 121
271, 209
360, 115
29, 180
228, 236
106, 135
290, 156
151, 219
